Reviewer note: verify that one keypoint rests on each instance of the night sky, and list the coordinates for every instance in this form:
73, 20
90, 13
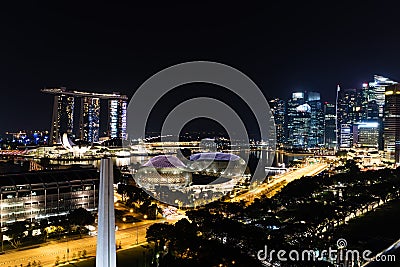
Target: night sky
282, 46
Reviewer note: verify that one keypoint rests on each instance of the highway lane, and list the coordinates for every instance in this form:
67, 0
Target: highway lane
280, 181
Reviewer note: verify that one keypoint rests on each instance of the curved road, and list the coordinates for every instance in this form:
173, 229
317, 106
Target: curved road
47, 253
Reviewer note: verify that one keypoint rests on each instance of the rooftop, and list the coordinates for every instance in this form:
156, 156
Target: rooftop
63, 91
164, 161
48, 177
214, 156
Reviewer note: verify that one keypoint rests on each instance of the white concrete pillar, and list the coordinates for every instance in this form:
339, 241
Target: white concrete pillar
106, 245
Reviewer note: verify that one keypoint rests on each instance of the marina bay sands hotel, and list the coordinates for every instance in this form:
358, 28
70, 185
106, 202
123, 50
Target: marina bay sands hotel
88, 128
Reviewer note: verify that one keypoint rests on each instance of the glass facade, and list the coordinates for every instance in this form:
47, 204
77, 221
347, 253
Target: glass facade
377, 91
117, 118
41, 194
351, 109
330, 125
278, 108
366, 134
90, 119
305, 120
392, 123
63, 117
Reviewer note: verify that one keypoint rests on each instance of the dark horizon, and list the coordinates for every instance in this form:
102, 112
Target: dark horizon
283, 47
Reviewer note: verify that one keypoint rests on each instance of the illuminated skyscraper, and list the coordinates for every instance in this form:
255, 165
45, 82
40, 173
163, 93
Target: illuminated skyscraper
366, 134
377, 91
360, 105
117, 118
346, 136
376, 102
351, 109
317, 120
373, 110
90, 119
330, 125
63, 116
89, 123
278, 108
299, 116
305, 120
391, 123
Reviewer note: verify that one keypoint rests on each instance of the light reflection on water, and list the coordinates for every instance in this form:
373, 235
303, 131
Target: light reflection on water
265, 157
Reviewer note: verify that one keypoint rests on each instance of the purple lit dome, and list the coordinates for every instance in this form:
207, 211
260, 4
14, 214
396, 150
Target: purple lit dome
164, 161
214, 156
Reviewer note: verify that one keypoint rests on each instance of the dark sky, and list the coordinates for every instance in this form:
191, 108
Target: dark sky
282, 46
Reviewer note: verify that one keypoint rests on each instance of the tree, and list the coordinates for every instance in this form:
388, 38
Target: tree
44, 223
137, 195
122, 191
118, 178
160, 234
80, 217
185, 237
352, 166
16, 233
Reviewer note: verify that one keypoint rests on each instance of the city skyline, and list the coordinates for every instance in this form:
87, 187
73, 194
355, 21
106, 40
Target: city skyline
318, 48
371, 83
200, 134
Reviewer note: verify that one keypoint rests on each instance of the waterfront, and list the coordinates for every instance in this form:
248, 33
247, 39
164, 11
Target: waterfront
255, 156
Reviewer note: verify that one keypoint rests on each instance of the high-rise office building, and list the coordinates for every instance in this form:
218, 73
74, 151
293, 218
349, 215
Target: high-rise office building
330, 125
90, 122
346, 136
316, 138
373, 110
299, 116
376, 101
377, 91
352, 108
391, 122
305, 120
366, 134
278, 108
355, 107
90, 119
63, 116
117, 118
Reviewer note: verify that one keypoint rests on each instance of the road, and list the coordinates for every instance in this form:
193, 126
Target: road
133, 257
136, 234
47, 253
279, 181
